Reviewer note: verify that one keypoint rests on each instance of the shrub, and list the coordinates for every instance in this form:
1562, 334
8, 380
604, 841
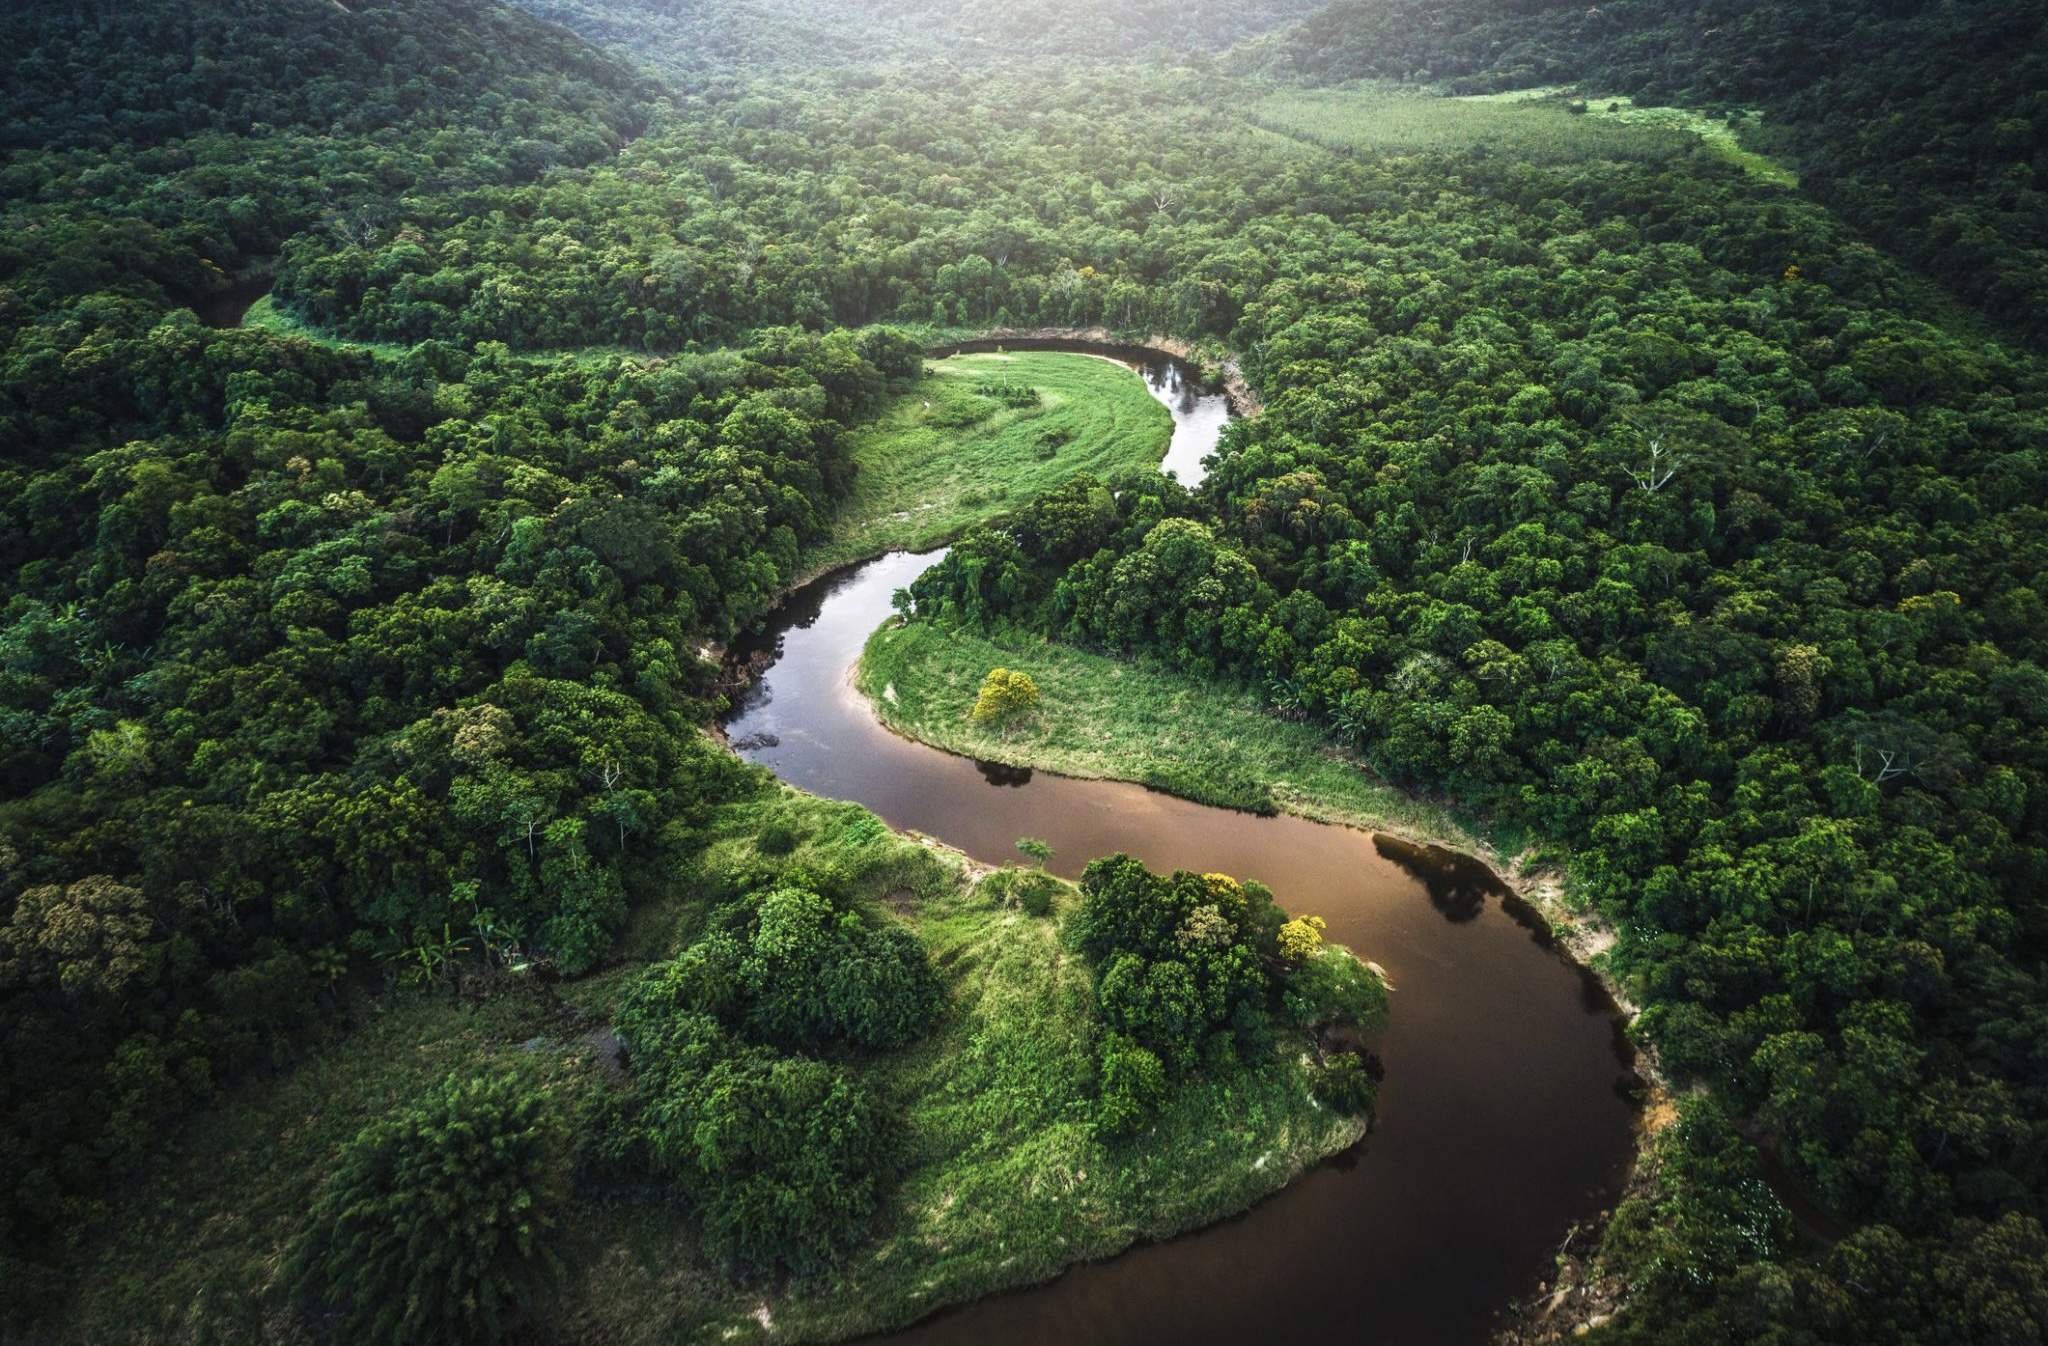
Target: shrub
1013, 395
776, 838
1343, 1084
814, 974
1132, 1084
1301, 937
1005, 696
1031, 891
782, 1156
433, 1226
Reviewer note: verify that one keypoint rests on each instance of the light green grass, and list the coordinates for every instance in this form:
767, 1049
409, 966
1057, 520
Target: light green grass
266, 314
1719, 135
1004, 1184
1105, 718
940, 459
1393, 119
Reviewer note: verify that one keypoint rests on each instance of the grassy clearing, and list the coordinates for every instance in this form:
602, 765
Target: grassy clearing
1719, 135
1004, 1184
1390, 119
268, 315
1101, 717
942, 457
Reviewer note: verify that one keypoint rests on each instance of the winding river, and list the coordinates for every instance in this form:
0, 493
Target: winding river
1502, 1118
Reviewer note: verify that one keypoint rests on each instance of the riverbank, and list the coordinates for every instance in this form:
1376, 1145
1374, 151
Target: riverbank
1101, 718
1002, 1182
1244, 399
1107, 719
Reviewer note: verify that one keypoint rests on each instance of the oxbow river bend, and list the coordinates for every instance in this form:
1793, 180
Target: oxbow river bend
1502, 1119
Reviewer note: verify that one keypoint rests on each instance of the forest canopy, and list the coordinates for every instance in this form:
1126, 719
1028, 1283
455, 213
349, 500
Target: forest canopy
1688, 522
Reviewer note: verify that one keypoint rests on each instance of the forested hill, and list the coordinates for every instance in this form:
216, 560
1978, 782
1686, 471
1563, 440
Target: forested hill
156, 148
690, 39
101, 72
1926, 124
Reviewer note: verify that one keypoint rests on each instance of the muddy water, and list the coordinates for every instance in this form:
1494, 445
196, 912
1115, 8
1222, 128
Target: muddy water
1501, 1118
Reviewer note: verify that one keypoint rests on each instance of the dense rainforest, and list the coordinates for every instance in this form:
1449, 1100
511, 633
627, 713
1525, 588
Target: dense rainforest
1684, 524
1925, 125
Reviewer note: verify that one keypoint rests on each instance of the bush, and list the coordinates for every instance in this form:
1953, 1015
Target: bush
1016, 396
433, 1226
815, 974
776, 838
1132, 1084
1301, 937
1343, 1084
782, 1156
1333, 987
1030, 891
1005, 696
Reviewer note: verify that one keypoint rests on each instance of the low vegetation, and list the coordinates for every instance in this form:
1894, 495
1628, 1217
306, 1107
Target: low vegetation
979, 433
1203, 739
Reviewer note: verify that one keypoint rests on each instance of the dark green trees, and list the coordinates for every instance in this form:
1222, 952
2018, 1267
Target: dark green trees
436, 1223
783, 1157
1189, 974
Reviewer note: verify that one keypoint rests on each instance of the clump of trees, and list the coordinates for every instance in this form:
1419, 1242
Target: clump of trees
782, 1154
437, 1223
1190, 969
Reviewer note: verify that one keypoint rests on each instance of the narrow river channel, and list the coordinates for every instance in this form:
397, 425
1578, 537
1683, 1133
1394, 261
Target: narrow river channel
1501, 1118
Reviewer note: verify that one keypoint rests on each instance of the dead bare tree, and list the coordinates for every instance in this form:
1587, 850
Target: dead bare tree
1663, 466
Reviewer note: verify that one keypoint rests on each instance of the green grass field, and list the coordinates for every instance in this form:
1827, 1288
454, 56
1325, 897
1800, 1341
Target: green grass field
941, 458
1391, 119
1004, 1183
1106, 718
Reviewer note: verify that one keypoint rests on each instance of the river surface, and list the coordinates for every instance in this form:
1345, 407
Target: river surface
1502, 1119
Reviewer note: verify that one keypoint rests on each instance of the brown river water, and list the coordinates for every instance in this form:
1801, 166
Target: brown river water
1502, 1119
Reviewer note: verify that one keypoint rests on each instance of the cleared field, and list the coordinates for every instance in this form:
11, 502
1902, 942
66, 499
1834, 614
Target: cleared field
1102, 717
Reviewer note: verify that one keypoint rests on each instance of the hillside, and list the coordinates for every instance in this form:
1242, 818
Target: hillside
1924, 124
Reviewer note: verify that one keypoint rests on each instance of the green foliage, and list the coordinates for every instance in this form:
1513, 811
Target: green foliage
1133, 1085
1344, 1083
1005, 697
1016, 396
1602, 488
436, 1224
1706, 1212
1177, 958
1332, 987
1031, 891
816, 974
1920, 123
781, 1157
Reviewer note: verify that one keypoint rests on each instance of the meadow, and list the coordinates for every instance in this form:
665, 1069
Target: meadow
943, 456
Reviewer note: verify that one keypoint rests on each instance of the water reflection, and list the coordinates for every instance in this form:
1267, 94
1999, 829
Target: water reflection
1002, 774
1458, 885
